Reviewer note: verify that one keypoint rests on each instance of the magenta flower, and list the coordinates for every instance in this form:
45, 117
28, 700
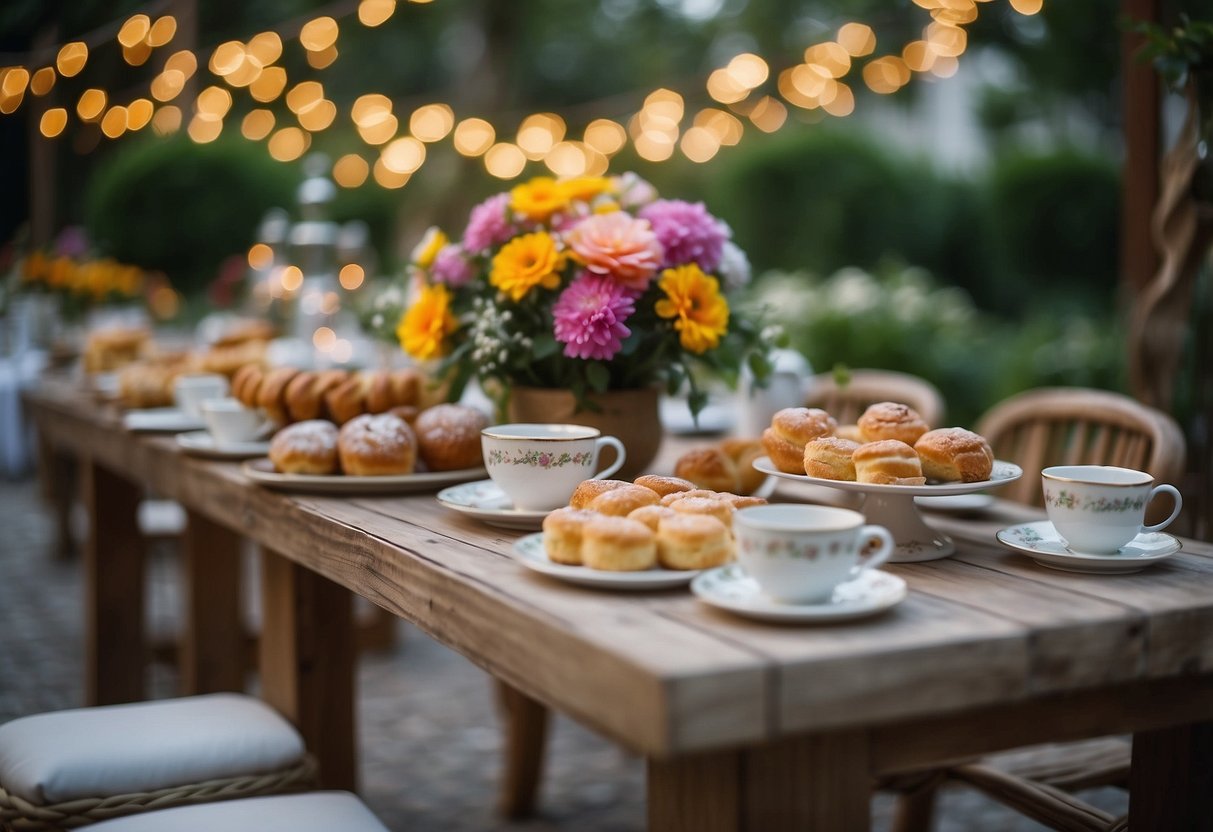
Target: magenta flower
489, 224
589, 317
451, 266
687, 233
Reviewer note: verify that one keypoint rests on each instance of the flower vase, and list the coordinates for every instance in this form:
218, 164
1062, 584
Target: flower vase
630, 415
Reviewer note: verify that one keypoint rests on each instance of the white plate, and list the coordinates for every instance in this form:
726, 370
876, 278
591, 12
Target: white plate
532, 555
1041, 542
1003, 473
201, 443
957, 503
486, 502
160, 420
262, 471
730, 588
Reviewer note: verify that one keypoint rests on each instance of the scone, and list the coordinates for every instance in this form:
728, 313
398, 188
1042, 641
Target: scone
448, 436
955, 455
693, 541
851, 432
740, 501
651, 515
305, 448
890, 420
562, 530
664, 485
271, 396
376, 446
617, 544
305, 394
584, 493
670, 499
743, 452
888, 462
709, 468
791, 429
722, 510
620, 502
829, 457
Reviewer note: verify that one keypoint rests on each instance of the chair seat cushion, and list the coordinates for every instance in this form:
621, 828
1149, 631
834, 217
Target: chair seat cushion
142, 747
310, 812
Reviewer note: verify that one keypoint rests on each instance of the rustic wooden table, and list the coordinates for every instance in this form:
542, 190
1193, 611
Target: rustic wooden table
744, 725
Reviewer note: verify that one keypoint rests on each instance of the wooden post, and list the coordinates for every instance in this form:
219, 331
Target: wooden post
307, 662
1140, 187
113, 569
1171, 779
213, 640
526, 727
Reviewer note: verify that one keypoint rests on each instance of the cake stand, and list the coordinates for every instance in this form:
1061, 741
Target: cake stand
893, 507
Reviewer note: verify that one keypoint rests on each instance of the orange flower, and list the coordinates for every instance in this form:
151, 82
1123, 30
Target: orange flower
693, 300
526, 262
585, 188
426, 324
538, 199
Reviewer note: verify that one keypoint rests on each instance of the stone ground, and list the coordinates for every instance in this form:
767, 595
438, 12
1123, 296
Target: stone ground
428, 732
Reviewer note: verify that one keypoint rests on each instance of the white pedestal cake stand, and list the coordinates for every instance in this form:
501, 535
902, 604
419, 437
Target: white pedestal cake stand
893, 507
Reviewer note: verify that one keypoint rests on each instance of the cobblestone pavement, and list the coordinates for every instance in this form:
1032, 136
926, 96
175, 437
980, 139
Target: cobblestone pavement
428, 732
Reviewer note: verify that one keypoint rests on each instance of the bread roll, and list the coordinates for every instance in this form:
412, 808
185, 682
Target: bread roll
664, 485
743, 452
305, 448
377, 445
955, 455
247, 385
722, 510
346, 400
584, 493
888, 462
393, 389
271, 396
670, 499
305, 393
693, 541
620, 502
791, 429
851, 432
830, 458
740, 501
651, 515
448, 436
562, 530
618, 544
890, 420
709, 468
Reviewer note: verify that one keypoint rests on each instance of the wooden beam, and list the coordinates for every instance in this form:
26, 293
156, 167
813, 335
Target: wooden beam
1140, 187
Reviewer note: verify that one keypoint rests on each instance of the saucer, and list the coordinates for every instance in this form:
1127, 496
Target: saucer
201, 443
486, 502
730, 588
531, 554
1041, 542
262, 472
161, 420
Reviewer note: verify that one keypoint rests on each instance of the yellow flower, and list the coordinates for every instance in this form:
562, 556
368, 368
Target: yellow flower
693, 300
585, 188
425, 325
426, 250
538, 199
526, 262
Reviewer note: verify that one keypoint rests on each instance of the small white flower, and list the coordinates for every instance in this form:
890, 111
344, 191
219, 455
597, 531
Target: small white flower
734, 267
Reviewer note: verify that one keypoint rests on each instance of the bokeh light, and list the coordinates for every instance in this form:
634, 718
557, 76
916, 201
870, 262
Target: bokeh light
474, 136
350, 171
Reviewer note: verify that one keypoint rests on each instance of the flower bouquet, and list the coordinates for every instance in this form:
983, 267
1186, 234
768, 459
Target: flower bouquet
587, 285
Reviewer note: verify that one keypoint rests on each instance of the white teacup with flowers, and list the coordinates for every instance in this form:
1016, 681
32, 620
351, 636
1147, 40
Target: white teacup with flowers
1097, 509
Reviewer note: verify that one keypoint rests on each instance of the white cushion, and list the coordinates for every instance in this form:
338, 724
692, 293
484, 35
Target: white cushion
142, 747
311, 812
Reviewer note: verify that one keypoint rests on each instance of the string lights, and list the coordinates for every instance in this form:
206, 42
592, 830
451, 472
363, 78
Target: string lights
745, 92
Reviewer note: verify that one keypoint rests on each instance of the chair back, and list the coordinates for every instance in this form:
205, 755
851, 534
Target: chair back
867, 387
1077, 426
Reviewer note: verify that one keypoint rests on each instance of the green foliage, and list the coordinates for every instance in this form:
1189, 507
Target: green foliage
182, 208
1179, 51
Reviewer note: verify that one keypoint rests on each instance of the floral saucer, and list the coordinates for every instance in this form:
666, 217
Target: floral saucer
730, 588
486, 502
1041, 542
531, 554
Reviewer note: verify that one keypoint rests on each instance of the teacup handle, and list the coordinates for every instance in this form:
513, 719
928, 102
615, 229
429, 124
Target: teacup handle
620, 455
877, 558
1179, 504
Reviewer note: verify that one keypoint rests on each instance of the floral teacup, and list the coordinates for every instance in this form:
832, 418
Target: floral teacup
539, 465
1097, 509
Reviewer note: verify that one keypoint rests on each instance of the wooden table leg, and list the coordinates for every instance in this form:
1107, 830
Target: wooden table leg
307, 662
58, 473
1171, 778
526, 729
816, 782
212, 654
114, 589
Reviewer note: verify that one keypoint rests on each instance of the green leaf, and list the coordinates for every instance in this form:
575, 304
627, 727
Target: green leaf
697, 400
545, 345
760, 365
598, 376
842, 375
674, 375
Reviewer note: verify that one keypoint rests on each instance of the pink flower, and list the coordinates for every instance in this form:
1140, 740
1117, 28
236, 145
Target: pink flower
619, 245
489, 224
589, 317
687, 233
451, 266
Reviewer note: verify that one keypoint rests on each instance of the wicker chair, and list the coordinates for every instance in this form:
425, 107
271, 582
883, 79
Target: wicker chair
1056, 426
866, 387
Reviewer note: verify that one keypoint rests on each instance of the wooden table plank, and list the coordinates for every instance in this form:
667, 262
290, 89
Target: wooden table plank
212, 639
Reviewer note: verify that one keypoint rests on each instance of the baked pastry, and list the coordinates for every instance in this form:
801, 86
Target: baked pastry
271, 395
305, 448
346, 400
618, 544
587, 490
888, 462
228, 360
722, 510
651, 515
829, 457
693, 541
448, 436
385, 390
242, 378
111, 349
305, 393
240, 332
890, 420
562, 530
708, 468
664, 485
670, 499
851, 432
955, 455
377, 445
407, 412
791, 429
743, 452
621, 502
739, 501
